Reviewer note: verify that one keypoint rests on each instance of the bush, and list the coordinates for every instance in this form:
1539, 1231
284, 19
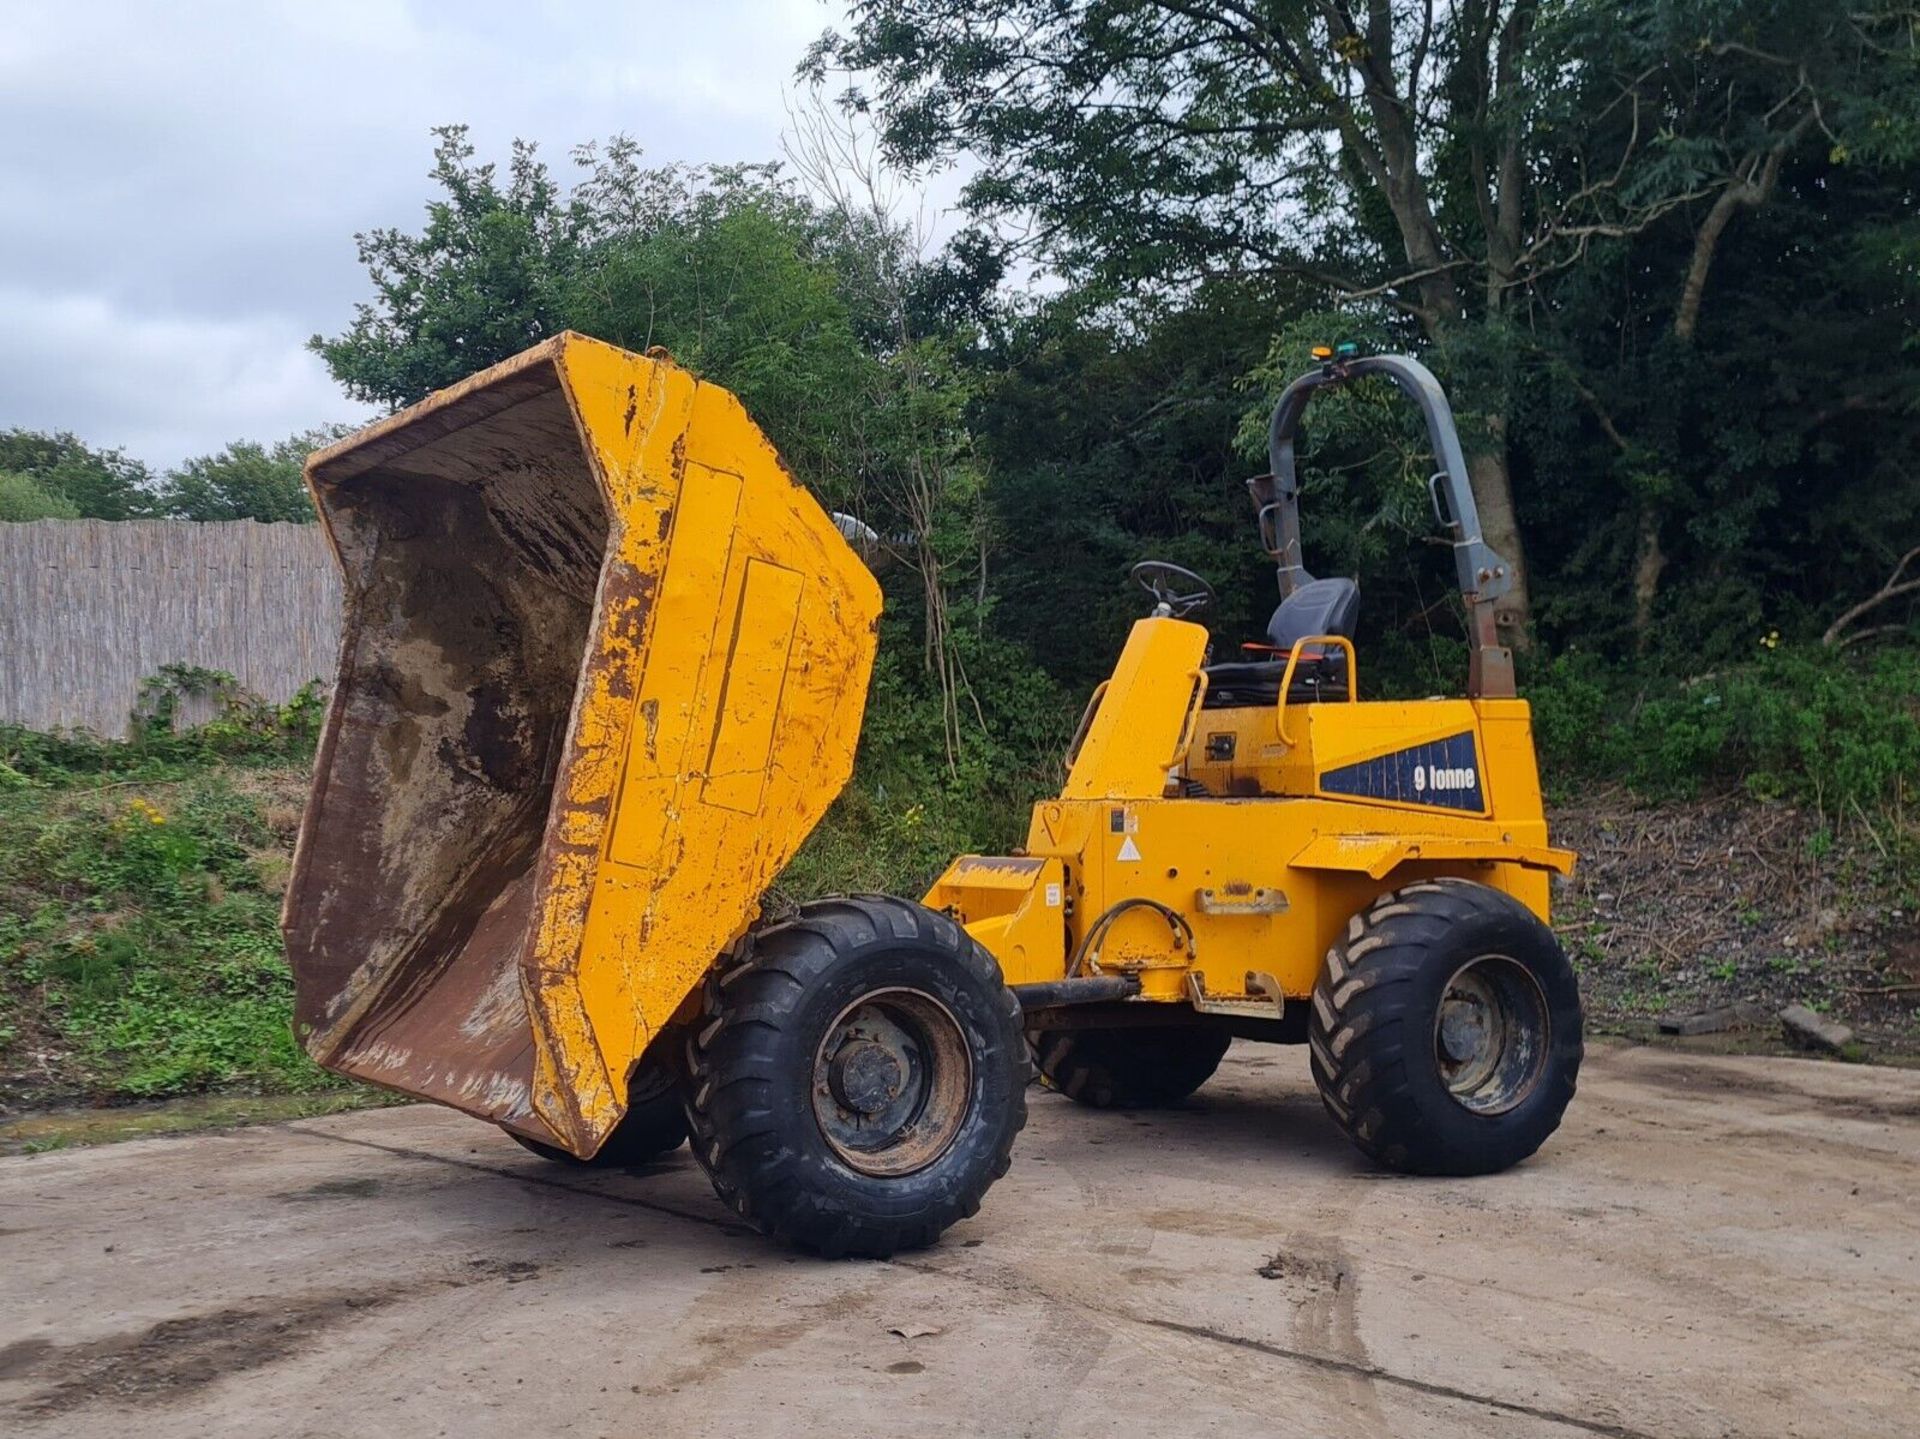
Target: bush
244, 727
1832, 730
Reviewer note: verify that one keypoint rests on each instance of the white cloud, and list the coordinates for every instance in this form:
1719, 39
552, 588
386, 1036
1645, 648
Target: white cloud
180, 183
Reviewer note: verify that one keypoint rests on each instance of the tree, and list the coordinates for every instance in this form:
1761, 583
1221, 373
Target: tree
1425, 155
245, 481
807, 306
1758, 105
1112, 442
722, 266
476, 285
23, 498
93, 484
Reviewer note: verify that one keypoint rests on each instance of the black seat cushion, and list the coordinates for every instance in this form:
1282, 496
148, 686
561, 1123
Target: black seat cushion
1319, 607
1257, 682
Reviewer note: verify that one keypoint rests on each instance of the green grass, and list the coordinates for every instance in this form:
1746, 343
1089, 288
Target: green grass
139, 930
140, 946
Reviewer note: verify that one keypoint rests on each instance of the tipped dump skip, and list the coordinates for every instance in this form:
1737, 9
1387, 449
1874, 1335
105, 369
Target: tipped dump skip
588, 615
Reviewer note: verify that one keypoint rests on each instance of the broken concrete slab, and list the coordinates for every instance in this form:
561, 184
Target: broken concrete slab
1814, 1031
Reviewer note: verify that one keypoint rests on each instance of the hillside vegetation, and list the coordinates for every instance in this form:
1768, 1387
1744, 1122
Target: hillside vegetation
139, 907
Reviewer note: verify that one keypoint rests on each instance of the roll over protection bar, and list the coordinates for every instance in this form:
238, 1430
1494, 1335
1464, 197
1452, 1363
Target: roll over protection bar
1483, 575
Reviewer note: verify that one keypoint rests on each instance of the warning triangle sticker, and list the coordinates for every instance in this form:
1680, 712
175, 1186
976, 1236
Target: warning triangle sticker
1128, 849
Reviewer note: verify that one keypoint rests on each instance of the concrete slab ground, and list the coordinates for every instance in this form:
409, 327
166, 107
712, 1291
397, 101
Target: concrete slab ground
1711, 1246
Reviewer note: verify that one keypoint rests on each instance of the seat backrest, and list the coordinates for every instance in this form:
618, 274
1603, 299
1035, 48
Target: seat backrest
1319, 607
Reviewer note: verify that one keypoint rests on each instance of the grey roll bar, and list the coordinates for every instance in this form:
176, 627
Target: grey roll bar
1483, 575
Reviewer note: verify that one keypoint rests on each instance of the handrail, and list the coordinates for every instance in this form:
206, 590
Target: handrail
1293, 663
1191, 724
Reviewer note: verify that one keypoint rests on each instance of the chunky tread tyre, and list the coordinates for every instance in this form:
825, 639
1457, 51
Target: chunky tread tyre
751, 1067
655, 1124
1373, 1025
1128, 1068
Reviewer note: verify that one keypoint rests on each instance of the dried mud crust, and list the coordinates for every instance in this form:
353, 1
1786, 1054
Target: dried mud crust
1687, 906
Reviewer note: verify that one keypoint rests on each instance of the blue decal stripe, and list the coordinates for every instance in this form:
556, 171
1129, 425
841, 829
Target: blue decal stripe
1443, 773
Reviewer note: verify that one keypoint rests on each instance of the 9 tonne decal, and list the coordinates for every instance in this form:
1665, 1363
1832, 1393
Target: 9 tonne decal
1442, 773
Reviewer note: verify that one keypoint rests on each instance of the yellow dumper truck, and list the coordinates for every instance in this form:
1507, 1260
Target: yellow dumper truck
603, 670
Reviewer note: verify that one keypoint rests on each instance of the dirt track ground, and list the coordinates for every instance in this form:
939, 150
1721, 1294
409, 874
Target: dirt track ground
1711, 1246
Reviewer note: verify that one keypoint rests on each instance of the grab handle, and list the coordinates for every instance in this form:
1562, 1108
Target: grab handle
1293, 663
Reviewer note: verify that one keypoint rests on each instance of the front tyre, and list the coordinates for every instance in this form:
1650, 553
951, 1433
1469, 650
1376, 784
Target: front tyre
1446, 1030
857, 1083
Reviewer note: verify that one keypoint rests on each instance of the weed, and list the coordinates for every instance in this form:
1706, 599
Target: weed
244, 728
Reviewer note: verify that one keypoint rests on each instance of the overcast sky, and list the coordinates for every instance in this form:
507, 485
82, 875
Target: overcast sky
181, 180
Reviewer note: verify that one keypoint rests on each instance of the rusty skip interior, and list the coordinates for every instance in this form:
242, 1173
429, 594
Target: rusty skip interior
471, 539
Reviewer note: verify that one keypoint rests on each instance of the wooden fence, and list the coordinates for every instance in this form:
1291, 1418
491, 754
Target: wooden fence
89, 608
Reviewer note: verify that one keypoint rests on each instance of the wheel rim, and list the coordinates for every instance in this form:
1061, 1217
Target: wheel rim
1490, 1034
890, 1082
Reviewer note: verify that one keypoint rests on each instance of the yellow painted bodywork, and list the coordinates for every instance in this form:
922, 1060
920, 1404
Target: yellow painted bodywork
1265, 868
728, 641
1136, 734
751, 668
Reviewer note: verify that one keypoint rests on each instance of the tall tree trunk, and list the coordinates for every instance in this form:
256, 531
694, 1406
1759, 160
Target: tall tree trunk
1649, 558
1500, 527
1648, 561
1760, 174
1393, 163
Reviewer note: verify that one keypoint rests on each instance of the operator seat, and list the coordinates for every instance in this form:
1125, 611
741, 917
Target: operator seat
1319, 607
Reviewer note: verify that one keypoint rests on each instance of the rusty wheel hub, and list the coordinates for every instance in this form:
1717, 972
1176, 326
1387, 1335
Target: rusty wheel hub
1490, 1035
891, 1080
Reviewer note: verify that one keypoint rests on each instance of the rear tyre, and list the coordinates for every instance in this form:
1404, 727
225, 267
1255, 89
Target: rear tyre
857, 1083
1128, 1068
655, 1124
1446, 1030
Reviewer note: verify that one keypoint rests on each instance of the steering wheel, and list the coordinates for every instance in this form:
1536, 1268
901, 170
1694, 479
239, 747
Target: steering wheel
1176, 591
